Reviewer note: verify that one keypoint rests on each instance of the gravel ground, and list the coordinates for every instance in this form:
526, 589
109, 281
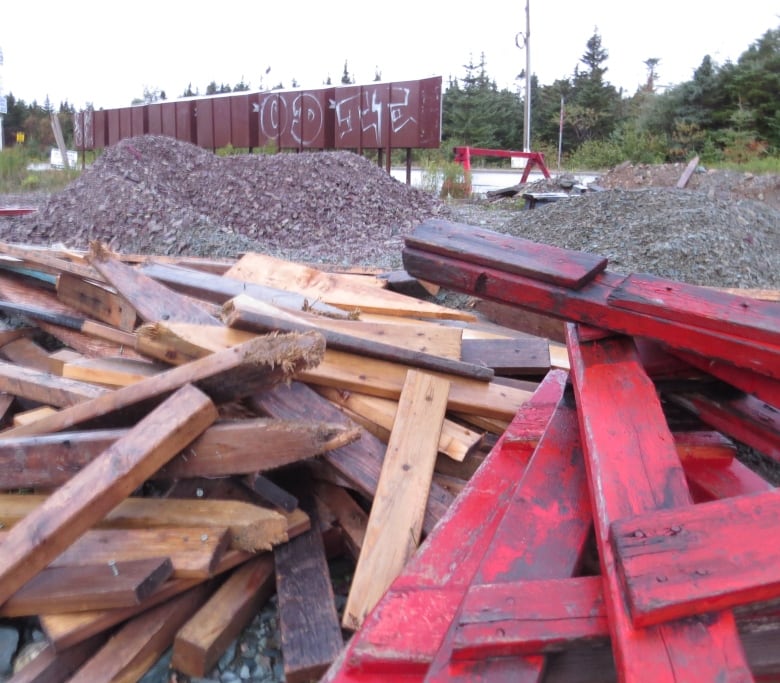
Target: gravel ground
157, 195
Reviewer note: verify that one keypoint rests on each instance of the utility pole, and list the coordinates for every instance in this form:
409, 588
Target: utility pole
523, 41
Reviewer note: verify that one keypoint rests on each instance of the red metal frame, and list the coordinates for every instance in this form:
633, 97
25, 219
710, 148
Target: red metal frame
463, 156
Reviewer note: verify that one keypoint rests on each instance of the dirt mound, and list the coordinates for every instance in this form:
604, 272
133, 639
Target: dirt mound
154, 194
715, 183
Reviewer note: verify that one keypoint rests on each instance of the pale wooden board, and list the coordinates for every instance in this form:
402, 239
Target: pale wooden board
385, 379
332, 289
395, 521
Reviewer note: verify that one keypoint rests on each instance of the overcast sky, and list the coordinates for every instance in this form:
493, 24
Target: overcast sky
106, 54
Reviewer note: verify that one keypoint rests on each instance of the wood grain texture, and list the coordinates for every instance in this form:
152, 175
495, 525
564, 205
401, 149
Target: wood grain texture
395, 520
97, 489
202, 640
309, 623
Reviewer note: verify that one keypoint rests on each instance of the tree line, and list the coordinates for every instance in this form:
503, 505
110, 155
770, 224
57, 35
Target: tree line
725, 112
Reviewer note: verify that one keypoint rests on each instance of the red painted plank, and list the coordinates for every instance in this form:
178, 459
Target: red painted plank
531, 617
693, 560
16, 210
712, 483
589, 305
545, 262
633, 468
712, 309
403, 632
760, 386
551, 507
744, 418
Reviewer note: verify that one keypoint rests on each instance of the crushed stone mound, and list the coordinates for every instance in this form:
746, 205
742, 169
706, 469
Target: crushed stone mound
154, 194
678, 234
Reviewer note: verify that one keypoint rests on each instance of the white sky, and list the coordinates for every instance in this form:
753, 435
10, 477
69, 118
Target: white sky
106, 53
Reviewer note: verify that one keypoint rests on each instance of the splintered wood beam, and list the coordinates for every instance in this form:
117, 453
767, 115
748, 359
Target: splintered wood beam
336, 290
275, 319
252, 527
395, 520
108, 585
682, 562
201, 641
558, 266
138, 644
359, 462
180, 343
151, 300
309, 623
456, 441
390, 643
550, 504
92, 493
228, 375
633, 468
385, 379
97, 301
224, 449
44, 387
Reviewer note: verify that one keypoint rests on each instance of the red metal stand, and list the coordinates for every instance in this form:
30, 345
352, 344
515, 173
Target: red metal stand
463, 156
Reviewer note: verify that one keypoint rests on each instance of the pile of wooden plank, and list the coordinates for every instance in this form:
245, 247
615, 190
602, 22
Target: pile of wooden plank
182, 437
607, 535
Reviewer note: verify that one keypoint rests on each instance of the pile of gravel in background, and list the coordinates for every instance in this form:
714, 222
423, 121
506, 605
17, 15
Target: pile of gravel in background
154, 194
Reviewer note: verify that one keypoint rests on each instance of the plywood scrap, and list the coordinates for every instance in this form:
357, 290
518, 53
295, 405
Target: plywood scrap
107, 585
201, 641
86, 498
311, 636
395, 521
228, 375
334, 290
130, 652
151, 300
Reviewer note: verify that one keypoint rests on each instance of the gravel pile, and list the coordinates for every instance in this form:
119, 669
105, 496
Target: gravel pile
154, 194
679, 234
